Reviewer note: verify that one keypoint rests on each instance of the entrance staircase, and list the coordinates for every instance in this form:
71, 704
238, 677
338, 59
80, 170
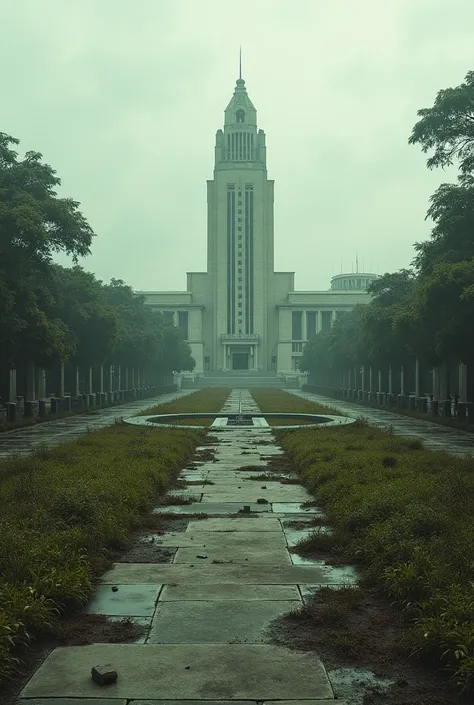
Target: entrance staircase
241, 379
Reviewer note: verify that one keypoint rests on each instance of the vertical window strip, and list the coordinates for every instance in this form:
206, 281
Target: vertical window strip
250, 274
246, 270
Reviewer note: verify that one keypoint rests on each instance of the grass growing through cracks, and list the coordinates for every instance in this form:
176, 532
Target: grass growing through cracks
65, 510
405, 515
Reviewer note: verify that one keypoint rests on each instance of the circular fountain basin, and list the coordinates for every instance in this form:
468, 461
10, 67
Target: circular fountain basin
240, 421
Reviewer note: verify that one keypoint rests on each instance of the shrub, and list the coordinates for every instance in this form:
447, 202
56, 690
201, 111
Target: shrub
61, 521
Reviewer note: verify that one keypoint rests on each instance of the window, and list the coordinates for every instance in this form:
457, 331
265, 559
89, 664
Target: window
310, 324
240, 115
239, 296
240, 288
183, 323
297, 325
325, 321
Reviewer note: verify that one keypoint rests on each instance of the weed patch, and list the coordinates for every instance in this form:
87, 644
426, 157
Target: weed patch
62, 521
405, 515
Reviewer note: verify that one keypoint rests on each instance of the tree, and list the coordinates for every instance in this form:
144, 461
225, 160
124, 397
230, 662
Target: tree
439, 318
448, 127
81, 302
380, 338
452, 237
34, 224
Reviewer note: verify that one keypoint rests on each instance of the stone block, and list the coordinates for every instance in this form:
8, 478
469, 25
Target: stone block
421, 405
444, 408
42, 407
11, 411
104, 674
412, 403
31, 409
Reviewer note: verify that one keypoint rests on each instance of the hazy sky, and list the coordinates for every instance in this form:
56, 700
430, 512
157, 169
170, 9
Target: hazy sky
123, 98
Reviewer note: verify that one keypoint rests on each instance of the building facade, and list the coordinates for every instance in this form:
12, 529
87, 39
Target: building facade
241, 314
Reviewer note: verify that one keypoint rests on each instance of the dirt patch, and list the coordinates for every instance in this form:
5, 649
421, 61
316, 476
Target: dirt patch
282, 479
358, 628
146, 550
97, 628
173, 500
161, 523
204, 455
298, 524
78, 630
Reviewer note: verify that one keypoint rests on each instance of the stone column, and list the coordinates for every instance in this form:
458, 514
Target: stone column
444, 406
402, 397
59, 390
436, 391
462, 402
118, 391
380, 394
99, 384
31, 405
12, 396
362, 396
40, 383
371, 384
12, 393
389, 395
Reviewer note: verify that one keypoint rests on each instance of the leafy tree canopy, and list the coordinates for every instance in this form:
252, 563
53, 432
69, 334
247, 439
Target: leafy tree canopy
448, 127
34, 223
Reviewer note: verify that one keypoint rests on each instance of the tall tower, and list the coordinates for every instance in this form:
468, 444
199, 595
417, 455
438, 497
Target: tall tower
240, 238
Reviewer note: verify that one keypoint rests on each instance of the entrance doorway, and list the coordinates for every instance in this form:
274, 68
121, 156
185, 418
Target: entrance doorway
240, 361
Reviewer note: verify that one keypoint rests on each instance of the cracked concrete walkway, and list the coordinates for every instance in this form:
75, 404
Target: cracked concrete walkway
25, 440
206, 613
434, 436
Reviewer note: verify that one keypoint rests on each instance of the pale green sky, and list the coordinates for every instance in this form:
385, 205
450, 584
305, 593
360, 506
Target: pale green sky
124, 98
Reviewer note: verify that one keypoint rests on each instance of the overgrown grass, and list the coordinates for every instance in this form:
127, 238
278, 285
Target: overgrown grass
406, 516
65, 511
204, 401
275, 400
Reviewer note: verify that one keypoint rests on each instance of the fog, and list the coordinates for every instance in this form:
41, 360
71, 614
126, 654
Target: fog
123, 99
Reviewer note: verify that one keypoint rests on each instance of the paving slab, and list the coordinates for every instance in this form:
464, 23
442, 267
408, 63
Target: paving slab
262, 554
183, 672
127, 600
251, 494
198, 573
215, 622
75, 701
294, 508
192, 702
230, 539
51, 433
306, 702
172, 593
210, 508
257, 523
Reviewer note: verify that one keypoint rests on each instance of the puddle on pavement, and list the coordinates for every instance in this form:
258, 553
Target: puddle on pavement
353, 684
